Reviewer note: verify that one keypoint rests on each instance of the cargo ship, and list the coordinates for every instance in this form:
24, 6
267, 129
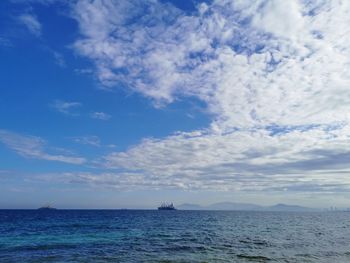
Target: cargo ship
166, 206
46, 208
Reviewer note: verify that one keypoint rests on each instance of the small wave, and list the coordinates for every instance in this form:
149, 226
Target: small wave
255, 242
188, 248
254, 258
43, 247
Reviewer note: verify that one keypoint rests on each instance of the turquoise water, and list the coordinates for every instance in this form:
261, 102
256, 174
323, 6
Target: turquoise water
173, 236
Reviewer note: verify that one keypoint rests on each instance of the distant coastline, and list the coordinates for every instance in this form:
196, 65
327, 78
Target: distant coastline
220, 206
231, 206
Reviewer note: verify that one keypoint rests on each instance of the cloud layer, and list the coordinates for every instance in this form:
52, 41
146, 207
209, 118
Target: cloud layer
34, 147
274, 75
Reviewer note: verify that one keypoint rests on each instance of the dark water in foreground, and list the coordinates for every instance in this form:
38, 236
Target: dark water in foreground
173, 236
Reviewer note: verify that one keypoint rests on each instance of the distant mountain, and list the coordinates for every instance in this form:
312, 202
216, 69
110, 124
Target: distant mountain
231, 206
291, 208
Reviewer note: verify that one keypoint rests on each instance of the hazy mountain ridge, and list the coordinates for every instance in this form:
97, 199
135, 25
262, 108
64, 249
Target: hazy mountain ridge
231, 206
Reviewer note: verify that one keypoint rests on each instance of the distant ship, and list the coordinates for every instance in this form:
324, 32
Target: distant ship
166, 206
46, 208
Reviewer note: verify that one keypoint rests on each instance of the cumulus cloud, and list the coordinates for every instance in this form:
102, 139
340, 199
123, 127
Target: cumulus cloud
100, 116
254, 63
34, 147
273, 74
65, 107
32, 23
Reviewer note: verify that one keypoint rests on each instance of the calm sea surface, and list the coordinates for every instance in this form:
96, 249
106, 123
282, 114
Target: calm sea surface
173, 236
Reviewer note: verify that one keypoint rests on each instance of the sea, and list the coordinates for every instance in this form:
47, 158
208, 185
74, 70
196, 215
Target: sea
173, 236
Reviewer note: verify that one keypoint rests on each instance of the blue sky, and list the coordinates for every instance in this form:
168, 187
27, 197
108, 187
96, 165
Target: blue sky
111, 104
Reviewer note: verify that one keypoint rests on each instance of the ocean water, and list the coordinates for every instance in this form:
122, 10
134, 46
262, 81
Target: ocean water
173, 236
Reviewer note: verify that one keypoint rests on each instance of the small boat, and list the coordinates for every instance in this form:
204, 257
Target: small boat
46, 208
166, 206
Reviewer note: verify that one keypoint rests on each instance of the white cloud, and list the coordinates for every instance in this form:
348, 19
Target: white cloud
32, 23
34, 147
281, 18
273, 74
100, 116
254, 65
65, 107
241, 160
59, 59
4, 42
88, 140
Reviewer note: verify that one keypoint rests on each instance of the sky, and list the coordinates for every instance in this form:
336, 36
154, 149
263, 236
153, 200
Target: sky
126, 104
